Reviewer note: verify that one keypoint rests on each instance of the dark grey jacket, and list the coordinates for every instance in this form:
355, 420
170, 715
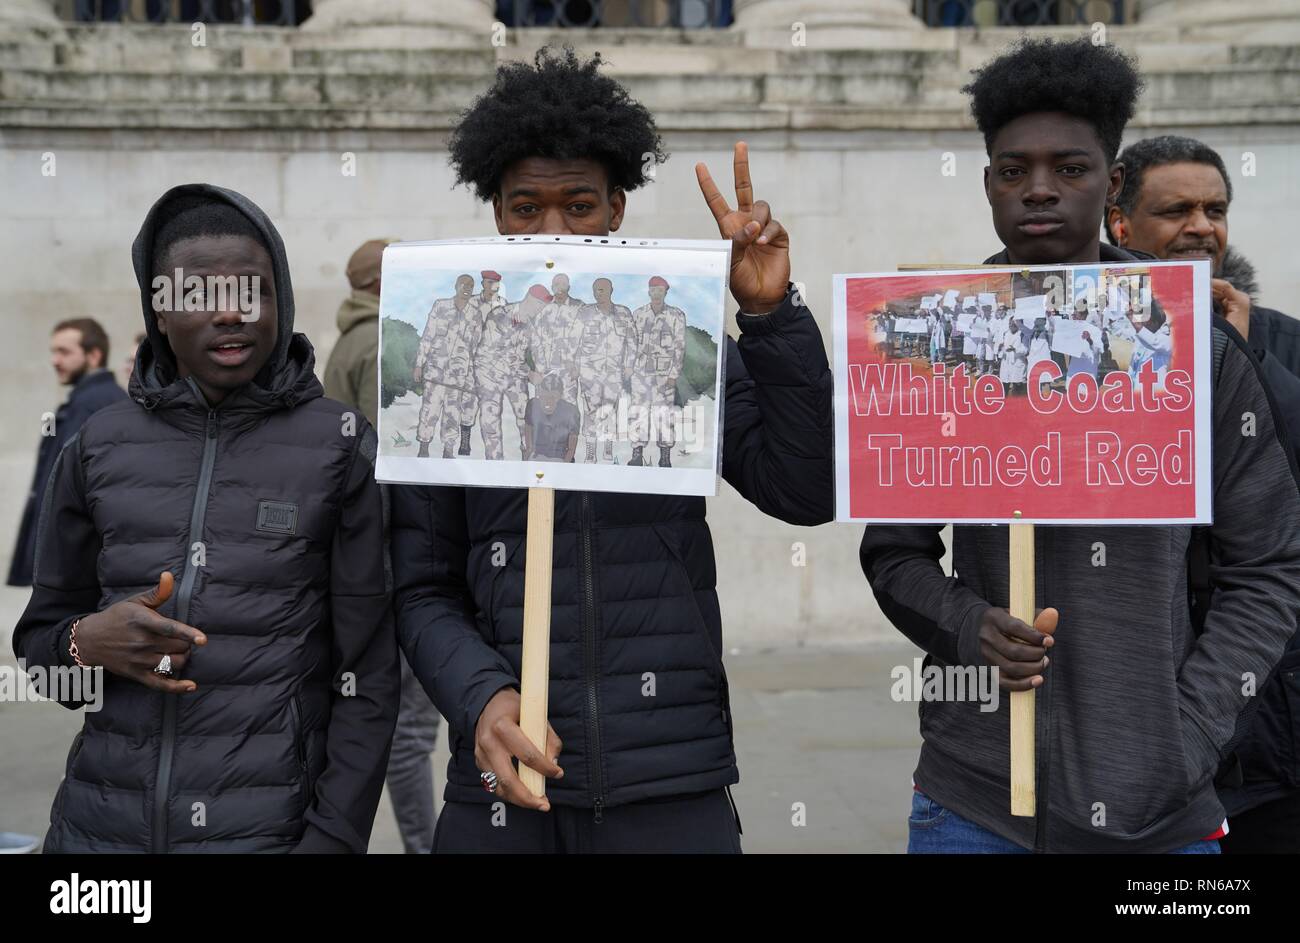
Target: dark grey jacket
1136, 710
91, 393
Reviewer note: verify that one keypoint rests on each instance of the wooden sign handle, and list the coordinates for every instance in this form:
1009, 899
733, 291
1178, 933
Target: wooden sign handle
535, 671
1022, 702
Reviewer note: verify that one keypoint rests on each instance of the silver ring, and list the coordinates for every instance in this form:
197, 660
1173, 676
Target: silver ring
164, 666
489, 780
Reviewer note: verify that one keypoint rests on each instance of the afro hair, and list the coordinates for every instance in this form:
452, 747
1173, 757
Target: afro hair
559, 107
1099, 84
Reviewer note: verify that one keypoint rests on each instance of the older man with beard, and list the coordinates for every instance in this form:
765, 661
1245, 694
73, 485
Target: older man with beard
1174, 205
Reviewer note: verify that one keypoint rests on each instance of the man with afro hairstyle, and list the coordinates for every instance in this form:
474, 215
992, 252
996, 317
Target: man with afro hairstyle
639, 755
1135, 707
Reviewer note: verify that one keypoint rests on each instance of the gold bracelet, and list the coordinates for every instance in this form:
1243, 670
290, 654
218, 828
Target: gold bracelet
72, 646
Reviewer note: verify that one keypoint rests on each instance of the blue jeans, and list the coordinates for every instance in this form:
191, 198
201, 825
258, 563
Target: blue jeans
934, 830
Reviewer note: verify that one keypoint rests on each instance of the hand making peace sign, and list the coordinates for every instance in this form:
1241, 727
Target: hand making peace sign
760, 253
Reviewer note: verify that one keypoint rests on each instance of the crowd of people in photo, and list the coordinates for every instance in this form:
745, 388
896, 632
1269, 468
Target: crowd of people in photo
986, 337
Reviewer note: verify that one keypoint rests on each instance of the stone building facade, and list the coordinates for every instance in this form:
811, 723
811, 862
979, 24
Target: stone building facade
852, 110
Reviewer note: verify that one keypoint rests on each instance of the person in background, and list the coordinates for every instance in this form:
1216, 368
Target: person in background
128, 362
1174, 205
352, 372
351, 377
79, 356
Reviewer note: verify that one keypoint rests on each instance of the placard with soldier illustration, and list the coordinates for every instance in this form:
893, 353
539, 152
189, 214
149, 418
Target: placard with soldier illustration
565, 362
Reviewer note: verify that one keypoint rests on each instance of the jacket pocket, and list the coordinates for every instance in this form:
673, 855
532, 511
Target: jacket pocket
713, 657
1199, 765
300, 751
926, 813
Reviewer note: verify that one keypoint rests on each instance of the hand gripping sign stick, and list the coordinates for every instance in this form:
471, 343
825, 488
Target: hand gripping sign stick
1021, 598
534, 674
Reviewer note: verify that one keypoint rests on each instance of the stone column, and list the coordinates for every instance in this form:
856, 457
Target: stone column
35, 14
828, 24
768, 14
1266, 21
469, 15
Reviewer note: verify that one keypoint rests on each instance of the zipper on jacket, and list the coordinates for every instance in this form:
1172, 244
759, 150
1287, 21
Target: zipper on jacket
162, 786
587, 578
300, 749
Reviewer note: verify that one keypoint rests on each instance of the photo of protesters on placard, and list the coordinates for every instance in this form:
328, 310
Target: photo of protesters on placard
500, 364
1086, 321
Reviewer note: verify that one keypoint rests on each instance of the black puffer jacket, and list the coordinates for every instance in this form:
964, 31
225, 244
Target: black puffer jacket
632, 593
285, 741
1266, 762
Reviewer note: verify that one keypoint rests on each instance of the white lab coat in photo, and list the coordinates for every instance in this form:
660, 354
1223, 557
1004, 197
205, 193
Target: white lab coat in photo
1014, 368
1087, 364
1040, 349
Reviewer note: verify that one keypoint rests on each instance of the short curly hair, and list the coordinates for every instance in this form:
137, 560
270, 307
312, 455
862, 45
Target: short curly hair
558, 107
1141, 156
1099, 84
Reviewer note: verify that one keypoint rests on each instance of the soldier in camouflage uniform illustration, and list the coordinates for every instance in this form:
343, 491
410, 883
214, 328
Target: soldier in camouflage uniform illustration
443, 366
605, 341
552, 345
483, 303
661, 345
501, 369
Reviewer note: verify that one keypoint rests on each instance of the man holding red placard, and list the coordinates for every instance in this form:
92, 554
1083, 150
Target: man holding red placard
1134, 709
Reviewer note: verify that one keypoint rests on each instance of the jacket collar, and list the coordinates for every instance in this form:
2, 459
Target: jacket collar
89, 380
154, 387
1108, 253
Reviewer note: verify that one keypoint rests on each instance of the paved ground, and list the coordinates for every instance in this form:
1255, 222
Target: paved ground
813, 725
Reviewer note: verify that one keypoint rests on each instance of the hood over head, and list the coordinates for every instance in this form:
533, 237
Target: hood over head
358, 307
284, 378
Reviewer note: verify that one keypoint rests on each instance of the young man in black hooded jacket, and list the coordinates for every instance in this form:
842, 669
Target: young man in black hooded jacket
249, 691
555, 146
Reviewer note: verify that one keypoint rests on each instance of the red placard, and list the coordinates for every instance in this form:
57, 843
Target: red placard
1091, 405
